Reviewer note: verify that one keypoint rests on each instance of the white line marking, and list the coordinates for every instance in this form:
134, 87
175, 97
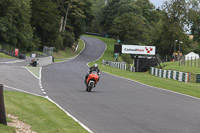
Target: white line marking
31, 72
40, 73
49, 99
22, 90
40, 81
40, 78
85, 127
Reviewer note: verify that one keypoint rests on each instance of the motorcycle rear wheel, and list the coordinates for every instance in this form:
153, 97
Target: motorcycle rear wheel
90, 87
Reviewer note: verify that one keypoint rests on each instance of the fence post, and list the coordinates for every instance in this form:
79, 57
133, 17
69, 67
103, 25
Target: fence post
184, 60
199, 63
2, 107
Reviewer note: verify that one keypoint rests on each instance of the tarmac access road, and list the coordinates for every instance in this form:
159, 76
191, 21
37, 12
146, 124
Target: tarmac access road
118, 105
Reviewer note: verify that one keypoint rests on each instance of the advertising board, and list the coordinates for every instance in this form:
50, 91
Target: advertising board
136, 49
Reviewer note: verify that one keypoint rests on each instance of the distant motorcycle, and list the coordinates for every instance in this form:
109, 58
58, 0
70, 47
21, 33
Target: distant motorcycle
92, 80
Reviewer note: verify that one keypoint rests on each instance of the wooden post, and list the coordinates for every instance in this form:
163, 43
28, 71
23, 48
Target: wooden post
195, 62
199, 63
2, 107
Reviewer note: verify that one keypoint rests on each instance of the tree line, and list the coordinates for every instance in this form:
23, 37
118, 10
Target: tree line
31, 24
138, 22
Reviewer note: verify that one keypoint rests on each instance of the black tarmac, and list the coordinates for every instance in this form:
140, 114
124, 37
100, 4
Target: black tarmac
118, 105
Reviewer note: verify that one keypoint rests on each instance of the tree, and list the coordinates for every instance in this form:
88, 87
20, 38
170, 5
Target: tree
194, 19
45, 22
130, 29
15, 28
108, 15
77, 14
174, 21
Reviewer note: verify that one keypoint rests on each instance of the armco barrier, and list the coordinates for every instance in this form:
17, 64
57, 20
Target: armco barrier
120, 65
42, 61
175, 75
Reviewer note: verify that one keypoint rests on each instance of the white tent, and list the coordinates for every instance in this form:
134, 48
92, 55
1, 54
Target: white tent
191, 55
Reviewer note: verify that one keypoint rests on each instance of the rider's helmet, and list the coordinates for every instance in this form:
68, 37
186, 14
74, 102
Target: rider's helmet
96, 66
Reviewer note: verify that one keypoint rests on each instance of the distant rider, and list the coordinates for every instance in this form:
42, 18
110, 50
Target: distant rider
92, 68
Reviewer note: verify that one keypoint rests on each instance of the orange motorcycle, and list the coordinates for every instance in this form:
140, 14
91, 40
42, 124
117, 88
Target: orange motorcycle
92, 80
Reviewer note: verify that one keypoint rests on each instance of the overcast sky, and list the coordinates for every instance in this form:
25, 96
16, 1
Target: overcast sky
157, 3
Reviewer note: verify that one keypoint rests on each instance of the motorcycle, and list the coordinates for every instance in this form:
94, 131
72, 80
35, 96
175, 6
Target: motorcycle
92, 80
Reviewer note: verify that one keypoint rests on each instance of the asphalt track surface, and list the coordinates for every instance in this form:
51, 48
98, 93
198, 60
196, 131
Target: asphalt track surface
118, 105
14, 76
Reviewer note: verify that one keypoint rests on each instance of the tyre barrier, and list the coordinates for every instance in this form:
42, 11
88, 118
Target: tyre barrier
175, 75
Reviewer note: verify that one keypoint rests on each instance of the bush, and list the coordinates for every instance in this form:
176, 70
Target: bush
127, 58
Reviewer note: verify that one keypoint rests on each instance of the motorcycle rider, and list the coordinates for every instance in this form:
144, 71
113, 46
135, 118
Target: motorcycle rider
92, 68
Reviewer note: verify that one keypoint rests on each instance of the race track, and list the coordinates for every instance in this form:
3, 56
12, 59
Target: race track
118, 105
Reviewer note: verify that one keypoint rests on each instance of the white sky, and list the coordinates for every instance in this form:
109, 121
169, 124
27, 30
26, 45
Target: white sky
157, 3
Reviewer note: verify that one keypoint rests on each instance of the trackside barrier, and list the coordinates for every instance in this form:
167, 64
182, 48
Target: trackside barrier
120, 65
42, 61
175, 75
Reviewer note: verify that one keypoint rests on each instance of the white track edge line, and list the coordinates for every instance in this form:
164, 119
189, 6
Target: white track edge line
31, 72
13, 88
46, 97
75, 119
85, 127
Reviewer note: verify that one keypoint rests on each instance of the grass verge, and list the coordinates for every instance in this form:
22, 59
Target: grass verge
175, 66
34, 70
42, 115
63, 55
3, 56
6, 129
192, 89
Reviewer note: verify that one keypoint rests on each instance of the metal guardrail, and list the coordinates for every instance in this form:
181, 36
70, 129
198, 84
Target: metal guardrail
120, 65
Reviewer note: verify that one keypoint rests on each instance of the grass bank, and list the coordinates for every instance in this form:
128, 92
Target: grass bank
175, 66
38, 112
192, 89
3, 56
63, 55
42, 115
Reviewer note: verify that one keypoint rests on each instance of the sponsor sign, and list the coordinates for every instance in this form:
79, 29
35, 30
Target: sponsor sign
136, 49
